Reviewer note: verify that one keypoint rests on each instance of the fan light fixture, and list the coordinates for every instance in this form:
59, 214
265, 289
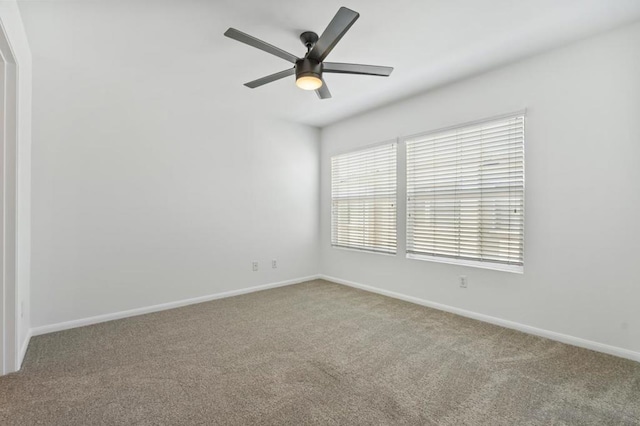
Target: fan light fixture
309, 82
308, 74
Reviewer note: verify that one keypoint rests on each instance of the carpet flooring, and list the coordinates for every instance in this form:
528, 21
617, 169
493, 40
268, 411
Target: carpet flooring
314, 353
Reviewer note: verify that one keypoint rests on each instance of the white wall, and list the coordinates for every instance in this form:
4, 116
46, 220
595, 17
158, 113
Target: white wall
146, 192
158, 210
582, 227
13, 26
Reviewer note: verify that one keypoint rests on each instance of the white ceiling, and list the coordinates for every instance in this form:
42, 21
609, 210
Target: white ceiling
179, 45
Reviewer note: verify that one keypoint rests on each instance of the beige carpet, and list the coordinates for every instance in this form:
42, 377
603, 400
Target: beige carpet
314, 353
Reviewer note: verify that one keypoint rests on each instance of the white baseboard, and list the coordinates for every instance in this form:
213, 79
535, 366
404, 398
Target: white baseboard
23, 349
564, 338
36, 331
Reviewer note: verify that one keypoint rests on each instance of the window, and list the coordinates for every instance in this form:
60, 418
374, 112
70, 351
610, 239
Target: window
465, 195
363, 199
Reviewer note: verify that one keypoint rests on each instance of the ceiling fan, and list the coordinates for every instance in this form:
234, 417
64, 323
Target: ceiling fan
309, 69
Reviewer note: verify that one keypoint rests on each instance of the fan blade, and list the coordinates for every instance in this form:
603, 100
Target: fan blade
323, 92
262, 45
337, 28
336, 67
268, 79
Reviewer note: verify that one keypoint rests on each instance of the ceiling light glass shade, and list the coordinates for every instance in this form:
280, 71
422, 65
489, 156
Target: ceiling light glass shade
308, 82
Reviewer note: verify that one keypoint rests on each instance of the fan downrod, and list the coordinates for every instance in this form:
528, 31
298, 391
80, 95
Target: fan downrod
309, 39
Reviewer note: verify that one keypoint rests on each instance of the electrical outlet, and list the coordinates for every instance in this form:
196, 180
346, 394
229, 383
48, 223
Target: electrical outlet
254, 266
274, 264
463, 281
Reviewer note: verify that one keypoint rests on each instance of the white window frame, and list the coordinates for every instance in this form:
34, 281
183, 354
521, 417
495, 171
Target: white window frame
516, 268
391, 212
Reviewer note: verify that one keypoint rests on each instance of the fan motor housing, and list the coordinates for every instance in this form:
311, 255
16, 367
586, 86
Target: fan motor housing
308, 68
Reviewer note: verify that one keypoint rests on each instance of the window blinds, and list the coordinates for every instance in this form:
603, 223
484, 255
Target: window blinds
465, 194
363, 199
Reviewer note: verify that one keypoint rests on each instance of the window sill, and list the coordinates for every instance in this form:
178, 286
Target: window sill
363, 250
472, 263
